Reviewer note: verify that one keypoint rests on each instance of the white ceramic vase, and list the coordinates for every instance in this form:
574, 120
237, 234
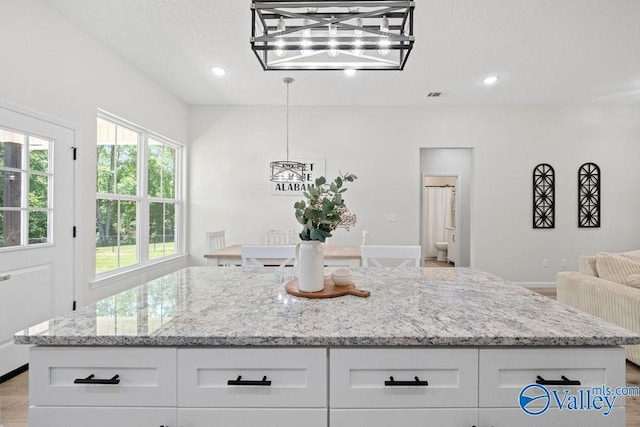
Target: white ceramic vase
310, 266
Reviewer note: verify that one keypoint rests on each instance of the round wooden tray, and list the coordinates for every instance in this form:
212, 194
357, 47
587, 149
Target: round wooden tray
330, 290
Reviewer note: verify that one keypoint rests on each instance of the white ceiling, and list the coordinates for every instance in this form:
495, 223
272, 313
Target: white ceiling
547, 52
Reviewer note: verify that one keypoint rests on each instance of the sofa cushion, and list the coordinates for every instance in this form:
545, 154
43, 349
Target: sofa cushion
587, 265
634, 280
617, 267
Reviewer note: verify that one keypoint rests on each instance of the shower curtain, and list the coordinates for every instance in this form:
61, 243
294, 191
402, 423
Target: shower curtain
437, 208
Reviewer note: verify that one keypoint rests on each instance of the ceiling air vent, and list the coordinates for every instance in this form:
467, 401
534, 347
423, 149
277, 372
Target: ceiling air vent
435, 94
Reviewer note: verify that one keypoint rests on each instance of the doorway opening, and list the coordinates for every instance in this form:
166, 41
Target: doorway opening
446, 175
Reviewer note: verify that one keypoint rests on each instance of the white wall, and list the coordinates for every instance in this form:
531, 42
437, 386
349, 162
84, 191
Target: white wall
231, 148
51, 67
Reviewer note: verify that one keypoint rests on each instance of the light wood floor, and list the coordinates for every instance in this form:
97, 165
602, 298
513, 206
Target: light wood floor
14, 402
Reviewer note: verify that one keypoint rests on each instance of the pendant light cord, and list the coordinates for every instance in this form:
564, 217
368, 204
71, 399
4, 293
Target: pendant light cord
288, 81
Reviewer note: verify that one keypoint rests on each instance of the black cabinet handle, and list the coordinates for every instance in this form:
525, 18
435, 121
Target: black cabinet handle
563, 382
415, 382
240, 381
92, 380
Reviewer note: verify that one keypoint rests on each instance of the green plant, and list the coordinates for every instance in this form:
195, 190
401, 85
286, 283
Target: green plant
324, 209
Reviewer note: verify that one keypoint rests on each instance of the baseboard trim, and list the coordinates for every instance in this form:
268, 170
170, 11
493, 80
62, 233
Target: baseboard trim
14, 373
536, 284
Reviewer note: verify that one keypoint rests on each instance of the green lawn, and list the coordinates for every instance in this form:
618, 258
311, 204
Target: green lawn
107, 257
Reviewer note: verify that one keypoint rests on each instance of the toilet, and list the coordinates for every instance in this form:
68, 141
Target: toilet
442, 250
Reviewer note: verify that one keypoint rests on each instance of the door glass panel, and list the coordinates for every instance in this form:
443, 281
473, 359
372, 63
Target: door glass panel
39, 191
39, 154
11, 189
10, 228
11, 144
38, 227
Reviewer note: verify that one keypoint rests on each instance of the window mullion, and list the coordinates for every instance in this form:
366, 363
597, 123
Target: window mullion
143, 188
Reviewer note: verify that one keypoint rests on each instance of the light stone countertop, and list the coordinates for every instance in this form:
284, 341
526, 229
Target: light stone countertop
233, 306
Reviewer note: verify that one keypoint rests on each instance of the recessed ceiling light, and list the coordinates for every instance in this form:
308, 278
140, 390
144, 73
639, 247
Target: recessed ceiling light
350, 72
218, 71
490, 80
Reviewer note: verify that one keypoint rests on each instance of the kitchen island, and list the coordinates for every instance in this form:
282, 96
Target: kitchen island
228, 346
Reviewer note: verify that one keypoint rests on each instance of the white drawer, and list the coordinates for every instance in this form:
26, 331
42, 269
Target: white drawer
404, 417
361, 378
552, 417
242, 417
504, 372
61, 416
293, 377
146, 376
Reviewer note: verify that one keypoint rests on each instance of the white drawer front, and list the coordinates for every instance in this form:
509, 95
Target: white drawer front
242, 417
361, 378
61, 416
404, 417
297, 376
146, 376
553, 417
504, 372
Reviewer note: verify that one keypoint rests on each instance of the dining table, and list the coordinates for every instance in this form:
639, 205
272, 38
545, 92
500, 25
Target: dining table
334, 255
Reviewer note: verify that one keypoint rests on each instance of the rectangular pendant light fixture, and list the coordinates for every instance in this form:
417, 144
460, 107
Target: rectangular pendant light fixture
332, 35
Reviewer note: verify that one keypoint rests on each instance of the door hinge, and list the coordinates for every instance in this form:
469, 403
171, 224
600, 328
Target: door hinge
74, 231
74, 306
75, 152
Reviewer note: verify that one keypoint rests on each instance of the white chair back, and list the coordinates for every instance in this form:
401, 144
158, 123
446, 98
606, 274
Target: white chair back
365, 237
215, 240
269, 255
280, 237
374, 256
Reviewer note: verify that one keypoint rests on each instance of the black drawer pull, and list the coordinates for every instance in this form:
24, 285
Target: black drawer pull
415, 382
563, 382
240, 381
91, 380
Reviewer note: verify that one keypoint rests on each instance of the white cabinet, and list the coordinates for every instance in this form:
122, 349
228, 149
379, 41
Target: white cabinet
315, 387
404, 378
552, 417
505, 372
404, 417
252, 377
102, 376
242, 417
63, 416
452, 249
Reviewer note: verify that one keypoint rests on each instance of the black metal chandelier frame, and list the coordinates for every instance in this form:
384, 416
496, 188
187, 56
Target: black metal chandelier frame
332, 35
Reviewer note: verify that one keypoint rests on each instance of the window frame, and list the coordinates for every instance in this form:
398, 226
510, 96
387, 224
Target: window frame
25, 208
142, 198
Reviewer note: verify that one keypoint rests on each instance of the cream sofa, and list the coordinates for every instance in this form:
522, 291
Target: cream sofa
607, 286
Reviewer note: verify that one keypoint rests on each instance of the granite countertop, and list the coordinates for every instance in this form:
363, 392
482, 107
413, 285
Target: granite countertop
233, 306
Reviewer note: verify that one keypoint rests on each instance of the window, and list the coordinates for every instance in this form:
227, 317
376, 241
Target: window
25, 198
137, 202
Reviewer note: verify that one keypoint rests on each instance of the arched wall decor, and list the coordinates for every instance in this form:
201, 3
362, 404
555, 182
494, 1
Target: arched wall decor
544, 196
589, 196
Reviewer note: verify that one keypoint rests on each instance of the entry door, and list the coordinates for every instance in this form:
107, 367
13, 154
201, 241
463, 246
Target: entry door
36, 227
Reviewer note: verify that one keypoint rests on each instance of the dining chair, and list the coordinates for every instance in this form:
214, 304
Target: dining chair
375, 256
365, 237
268, 255
280, 237
215, 240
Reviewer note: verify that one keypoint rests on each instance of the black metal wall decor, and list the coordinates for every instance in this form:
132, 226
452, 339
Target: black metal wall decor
544, 196
589, 196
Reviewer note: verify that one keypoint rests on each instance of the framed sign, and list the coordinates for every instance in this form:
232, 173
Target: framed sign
313, 168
